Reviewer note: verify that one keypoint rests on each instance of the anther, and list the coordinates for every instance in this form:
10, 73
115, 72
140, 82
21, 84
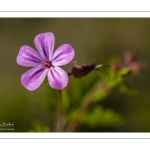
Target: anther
47, 64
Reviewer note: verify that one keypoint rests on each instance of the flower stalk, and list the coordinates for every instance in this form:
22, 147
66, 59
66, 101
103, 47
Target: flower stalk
58, 125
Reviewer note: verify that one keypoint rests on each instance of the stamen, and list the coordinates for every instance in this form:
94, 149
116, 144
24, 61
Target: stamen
47, 64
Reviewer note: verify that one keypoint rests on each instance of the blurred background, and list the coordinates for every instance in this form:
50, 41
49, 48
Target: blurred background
92, 38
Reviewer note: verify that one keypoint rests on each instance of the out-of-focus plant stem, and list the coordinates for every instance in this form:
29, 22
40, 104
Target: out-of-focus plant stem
77, 118
71, 127
58, 125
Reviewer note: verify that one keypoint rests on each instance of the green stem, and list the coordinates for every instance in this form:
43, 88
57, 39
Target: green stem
59, 119
84, 107
79, 115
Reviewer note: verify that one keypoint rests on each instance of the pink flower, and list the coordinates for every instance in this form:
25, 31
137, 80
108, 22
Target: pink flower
131, 61
45, 62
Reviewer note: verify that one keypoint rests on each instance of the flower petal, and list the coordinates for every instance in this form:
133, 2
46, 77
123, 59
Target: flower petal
57, 78
63, 55
44, 43
34, 77
28, 57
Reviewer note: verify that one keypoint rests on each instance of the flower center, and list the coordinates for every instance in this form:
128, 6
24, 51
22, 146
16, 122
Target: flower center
47, 64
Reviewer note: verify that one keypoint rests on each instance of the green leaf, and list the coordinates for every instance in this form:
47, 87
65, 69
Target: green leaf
125, 72
82, 88
128, 90
102, 117
37, 126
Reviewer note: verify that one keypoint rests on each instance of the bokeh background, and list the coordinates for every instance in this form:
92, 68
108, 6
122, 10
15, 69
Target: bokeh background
92, 38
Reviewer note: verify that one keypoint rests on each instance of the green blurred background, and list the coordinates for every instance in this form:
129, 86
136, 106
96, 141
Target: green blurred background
92, 38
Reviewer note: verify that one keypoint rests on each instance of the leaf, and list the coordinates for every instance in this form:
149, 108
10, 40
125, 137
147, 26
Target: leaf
102, 117
83, 87
37, 126
128, 90
125, 72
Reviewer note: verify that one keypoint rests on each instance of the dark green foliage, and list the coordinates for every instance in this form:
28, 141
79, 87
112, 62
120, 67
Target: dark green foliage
37, 126
100, 116
81, 103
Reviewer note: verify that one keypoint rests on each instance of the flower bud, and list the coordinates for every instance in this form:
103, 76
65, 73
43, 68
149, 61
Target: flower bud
80, 71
